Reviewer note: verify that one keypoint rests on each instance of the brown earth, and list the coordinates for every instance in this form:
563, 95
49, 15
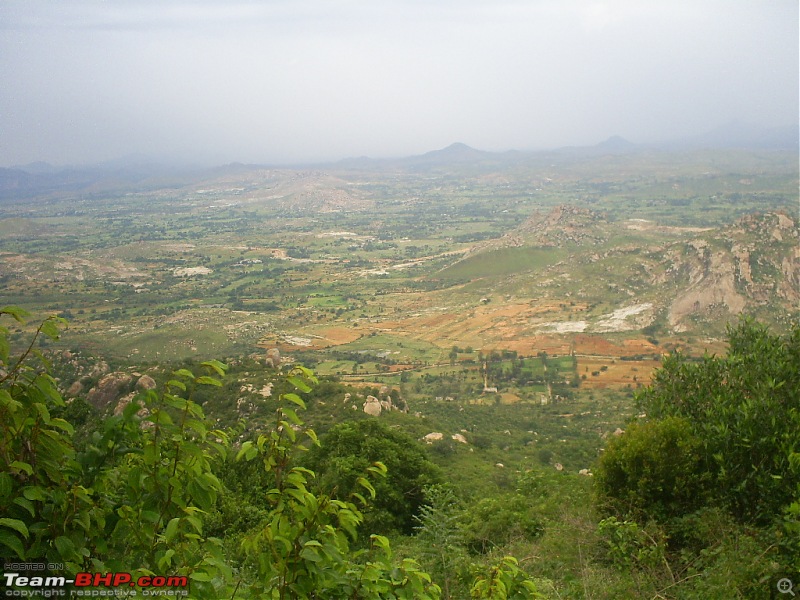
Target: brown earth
618, 374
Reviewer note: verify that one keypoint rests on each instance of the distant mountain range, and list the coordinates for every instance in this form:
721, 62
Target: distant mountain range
41, 178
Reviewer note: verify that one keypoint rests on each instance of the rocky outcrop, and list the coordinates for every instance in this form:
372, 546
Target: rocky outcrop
109, 389
715, 287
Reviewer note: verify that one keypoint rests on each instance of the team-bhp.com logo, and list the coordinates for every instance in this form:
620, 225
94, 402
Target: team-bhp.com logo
21, 585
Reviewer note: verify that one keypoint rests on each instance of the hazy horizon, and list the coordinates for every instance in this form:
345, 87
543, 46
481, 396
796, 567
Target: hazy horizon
285, 82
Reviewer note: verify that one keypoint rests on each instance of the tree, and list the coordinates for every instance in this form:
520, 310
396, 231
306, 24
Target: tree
655, 470
134, 496
350, 448
721, 432
745, 410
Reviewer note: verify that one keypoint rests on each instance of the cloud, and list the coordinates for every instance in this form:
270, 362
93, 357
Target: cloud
311, 79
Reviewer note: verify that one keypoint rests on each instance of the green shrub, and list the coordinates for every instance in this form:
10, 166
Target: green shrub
655, 469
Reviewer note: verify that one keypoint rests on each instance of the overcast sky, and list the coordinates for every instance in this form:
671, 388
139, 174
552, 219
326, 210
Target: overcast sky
281, 81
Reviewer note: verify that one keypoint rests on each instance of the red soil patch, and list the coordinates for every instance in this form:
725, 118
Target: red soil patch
531, 346
335, 336
618, 374
598, 345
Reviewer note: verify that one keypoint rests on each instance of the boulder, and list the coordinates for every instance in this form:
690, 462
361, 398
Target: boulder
372, 406
109, 389
145, 382
125, 401
273, 358
75, 389
433, 437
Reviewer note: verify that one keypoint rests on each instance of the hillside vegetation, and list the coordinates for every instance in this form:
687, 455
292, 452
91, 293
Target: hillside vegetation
699, 498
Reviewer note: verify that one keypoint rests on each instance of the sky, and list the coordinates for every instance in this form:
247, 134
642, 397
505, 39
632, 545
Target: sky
287, 81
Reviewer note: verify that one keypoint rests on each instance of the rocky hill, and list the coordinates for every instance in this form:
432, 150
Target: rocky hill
695, 279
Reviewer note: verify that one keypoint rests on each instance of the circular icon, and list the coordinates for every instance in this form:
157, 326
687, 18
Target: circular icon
785, 586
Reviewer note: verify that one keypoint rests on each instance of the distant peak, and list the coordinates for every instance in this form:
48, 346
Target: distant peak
457, 150
458, 146
616, 141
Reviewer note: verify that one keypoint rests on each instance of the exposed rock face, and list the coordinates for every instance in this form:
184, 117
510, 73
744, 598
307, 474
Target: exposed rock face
717, 286
459, 438
753, 262
372, 406
108, 389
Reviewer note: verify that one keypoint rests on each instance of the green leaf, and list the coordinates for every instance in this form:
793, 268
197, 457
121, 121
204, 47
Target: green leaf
177, 384
184, 373
201, 496
5, 348
44, 414
299, 383
63, 425
378, 468
26, 504
172, 529
247, 451
34, 493
292, 416
380, 541
50, 329
196, 523
65, 547
199, 576
16, 525
175, 401
10, 540
216, 366
206, 380
18, 466
6, 485
367, 486
311, 554
16, 312
295, 399
165, 562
